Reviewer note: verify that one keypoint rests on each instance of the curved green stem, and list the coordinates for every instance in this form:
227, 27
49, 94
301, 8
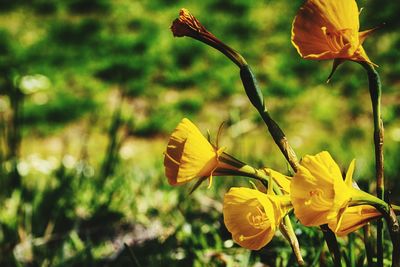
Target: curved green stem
256, 98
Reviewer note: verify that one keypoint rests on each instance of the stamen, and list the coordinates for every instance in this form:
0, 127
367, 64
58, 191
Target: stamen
258, 221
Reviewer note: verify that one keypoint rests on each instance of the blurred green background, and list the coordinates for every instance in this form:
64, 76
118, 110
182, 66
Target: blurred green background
91, 89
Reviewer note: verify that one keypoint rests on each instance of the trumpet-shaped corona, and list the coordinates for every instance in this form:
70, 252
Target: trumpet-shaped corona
329, 29
252, 216
189, 155
319, 194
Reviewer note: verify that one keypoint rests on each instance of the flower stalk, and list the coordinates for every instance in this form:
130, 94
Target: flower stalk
368, 244
188, 25
256, 98
333, 245
375, 89
286, 229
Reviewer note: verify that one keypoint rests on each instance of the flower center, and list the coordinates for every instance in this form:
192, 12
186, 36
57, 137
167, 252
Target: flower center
342, 41
258, 219
318, 199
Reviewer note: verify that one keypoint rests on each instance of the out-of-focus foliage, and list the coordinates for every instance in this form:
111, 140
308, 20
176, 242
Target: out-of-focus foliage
90, 90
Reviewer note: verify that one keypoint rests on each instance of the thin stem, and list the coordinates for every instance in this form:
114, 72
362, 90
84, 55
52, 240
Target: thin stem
368, 244
287, 230
375, 89
214, 42
333, 245
352, 257
256, 98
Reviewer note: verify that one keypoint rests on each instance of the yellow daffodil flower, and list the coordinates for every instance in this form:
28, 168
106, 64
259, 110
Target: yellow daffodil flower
190, 155
252, 217
319, 194
354, 218
329, 29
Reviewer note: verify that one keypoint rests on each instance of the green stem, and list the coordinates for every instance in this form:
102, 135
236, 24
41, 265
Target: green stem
368, 244
256, 98
287, 230
333, 245
214, 42
375, 89
352, 258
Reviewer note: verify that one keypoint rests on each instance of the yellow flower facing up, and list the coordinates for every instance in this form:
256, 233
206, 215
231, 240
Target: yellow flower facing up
252, 216
319, 194
354, 218
190, 155
329, 29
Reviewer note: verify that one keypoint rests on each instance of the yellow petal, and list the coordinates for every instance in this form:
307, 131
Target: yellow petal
353, 219
189, 155
349, 175
318, 191
328, 29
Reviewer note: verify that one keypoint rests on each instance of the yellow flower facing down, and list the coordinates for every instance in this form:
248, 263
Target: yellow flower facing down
252, 216
319, 194
190, 155
354, 218
329, 29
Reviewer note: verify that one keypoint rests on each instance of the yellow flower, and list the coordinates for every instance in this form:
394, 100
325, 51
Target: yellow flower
190, 155
354, 218
329, 29
319, 194
252, 216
